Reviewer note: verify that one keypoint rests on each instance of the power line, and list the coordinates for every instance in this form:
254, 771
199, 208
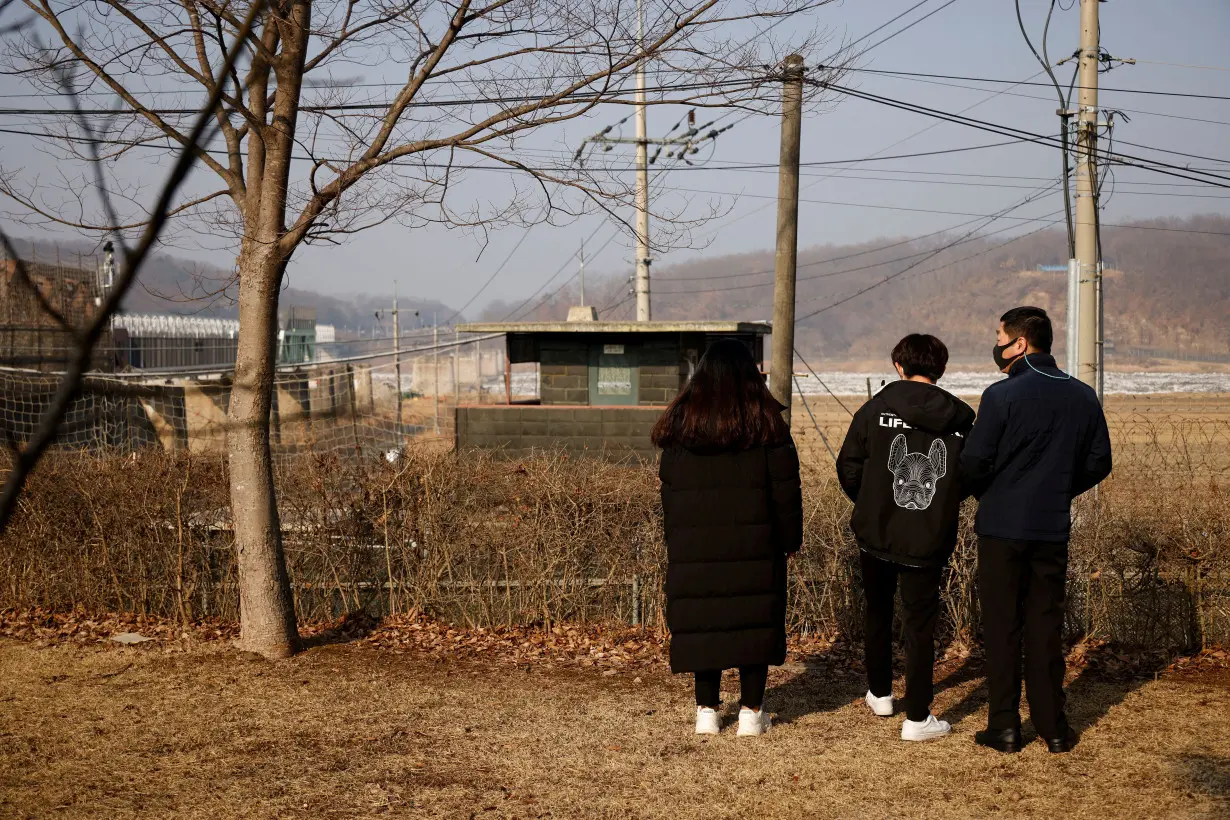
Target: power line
980, 237
877, 155
436, 81
1183, 65
816, 375
949, 182
996, 80
871, 266
807, 407
1168, 169
1175, 153
510, 169
852, 296
575, 96
886, 24
839, 203
525, 234
685, 279
906, 28
935, 211
1047, 99
521, 311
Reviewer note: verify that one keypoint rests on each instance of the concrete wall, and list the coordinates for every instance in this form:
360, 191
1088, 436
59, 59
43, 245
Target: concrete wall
663, 371
564, 373
419, 372
517, 430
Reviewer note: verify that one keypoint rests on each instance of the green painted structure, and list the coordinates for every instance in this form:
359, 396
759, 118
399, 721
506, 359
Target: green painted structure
601, 384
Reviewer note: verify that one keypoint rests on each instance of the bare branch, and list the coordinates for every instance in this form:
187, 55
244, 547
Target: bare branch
70, 383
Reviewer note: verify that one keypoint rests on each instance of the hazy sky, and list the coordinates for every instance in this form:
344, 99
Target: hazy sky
970, 38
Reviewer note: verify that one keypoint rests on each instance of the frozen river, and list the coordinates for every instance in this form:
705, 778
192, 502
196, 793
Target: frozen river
965, 383
972, 383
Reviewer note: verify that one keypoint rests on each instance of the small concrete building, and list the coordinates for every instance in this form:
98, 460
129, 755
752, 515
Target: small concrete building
602, 385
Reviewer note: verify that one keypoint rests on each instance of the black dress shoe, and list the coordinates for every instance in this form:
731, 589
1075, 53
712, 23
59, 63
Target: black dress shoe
1062, 744
1001, 740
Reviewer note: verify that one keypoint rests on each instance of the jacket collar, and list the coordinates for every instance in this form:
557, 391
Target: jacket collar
1036, 359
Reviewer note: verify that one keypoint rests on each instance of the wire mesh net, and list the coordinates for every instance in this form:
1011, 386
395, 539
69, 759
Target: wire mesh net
339, 406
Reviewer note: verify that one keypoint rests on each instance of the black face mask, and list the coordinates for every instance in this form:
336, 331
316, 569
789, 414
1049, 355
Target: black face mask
998, 353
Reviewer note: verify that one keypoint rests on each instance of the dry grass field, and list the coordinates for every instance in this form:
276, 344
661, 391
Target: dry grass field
1141, 421
366, 729
353, 731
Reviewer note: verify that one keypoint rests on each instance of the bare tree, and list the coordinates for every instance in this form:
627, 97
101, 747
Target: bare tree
304, 154
24, 456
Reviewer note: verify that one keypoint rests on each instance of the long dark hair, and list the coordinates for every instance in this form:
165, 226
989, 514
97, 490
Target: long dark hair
725, 404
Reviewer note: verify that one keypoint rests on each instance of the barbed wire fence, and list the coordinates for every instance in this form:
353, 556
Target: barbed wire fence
349, 405
543, 540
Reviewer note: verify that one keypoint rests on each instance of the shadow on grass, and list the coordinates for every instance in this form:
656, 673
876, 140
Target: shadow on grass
1207, 775
354, 626
1090, 695
824, 685
827, 683
970, 669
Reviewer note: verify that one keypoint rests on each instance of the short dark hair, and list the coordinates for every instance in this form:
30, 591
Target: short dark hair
726, 404
1031, 323
921, 354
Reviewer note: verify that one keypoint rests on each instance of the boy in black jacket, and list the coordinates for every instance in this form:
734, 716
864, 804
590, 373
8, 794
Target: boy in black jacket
899, 466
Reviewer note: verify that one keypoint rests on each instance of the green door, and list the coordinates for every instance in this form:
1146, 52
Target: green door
612, 375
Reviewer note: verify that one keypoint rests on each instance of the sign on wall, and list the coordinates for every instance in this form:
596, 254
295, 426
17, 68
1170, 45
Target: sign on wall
615, 381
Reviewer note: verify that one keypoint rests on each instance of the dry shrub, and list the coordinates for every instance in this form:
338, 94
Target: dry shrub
128, 534
485, 541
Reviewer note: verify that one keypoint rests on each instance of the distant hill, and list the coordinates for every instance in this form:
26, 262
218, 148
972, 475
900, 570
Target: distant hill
169, 284
1167, 289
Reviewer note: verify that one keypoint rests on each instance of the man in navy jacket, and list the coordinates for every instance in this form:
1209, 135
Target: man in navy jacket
1040, 440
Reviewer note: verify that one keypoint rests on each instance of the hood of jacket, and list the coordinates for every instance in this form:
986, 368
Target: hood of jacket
927, 407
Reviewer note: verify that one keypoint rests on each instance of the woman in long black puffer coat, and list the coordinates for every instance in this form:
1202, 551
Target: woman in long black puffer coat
733, 514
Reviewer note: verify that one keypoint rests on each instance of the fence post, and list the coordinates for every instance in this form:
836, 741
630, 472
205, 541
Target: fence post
636, 600
351, 389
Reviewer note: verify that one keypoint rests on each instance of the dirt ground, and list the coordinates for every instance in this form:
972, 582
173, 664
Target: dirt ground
357, 731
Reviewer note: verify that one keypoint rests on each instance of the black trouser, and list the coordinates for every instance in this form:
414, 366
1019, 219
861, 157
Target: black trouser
1021, 590
752, 680
920, 599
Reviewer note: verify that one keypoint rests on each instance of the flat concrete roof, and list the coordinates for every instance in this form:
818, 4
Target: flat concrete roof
617, 327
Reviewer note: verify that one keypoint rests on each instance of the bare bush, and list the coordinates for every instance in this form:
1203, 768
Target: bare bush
481, 540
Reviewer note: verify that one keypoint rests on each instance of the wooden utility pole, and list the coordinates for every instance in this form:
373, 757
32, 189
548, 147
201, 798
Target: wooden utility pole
781, 368
1088, 262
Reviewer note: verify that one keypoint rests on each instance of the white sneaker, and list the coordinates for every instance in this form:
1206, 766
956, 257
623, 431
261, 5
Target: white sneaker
707, 721
883, 707
928, 729
753, 723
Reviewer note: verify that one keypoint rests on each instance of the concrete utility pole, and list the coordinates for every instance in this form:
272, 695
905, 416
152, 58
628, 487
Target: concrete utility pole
478, 371
1087, 256
642, 176
397, 364
435, 365
582, 272
456, 351
678, 147
781, 368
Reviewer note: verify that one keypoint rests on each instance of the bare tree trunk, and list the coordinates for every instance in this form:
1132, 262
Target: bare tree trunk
266, 604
